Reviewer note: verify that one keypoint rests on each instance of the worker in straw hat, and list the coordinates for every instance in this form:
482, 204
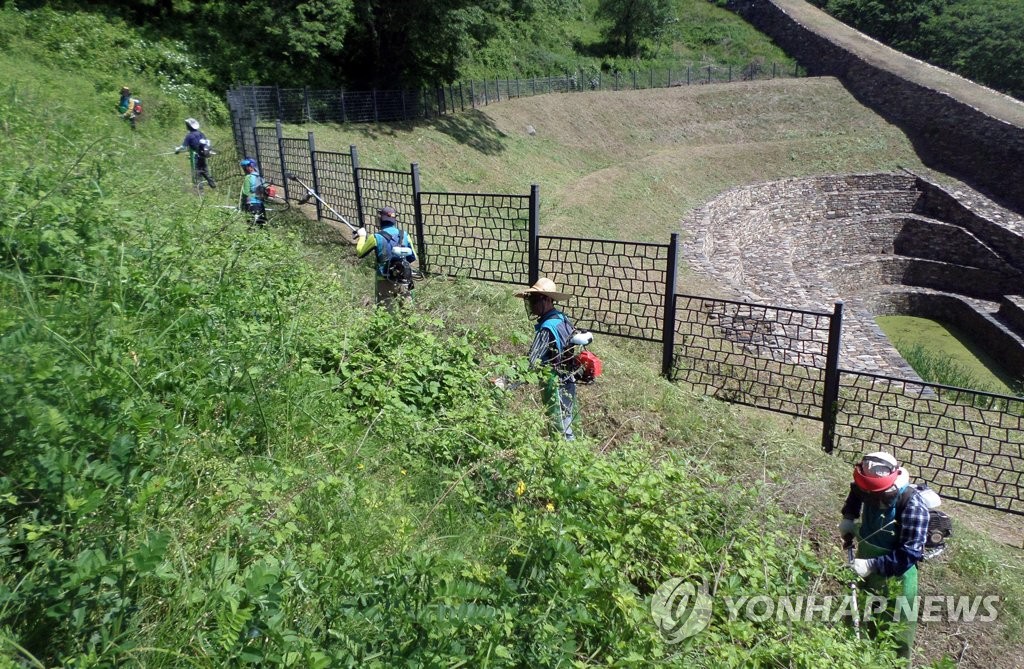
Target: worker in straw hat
550, 346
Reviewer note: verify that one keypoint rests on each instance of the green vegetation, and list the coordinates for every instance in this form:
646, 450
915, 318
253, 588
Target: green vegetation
941, 353
629, 165
364, 44
982, 40
213, 455
206, 462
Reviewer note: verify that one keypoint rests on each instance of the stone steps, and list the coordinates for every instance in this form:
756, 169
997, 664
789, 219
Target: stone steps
871, 241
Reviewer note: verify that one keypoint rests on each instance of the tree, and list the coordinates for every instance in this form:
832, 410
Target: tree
633, 21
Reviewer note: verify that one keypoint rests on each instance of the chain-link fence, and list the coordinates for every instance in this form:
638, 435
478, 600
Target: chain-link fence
302, 105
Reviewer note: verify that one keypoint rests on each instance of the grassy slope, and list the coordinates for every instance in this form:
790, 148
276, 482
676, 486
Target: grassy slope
323, 479
629, 165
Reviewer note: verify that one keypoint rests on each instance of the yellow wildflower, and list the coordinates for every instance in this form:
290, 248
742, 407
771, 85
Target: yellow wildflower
550, 507
520, 489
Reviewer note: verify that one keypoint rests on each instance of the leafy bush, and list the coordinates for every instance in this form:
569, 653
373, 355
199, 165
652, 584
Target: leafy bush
115, 54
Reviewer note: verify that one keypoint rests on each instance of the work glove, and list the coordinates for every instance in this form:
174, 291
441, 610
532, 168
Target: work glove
500, 382
177, 149
864, 568
848, 529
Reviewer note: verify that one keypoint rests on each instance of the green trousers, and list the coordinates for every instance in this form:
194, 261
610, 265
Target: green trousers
879, 585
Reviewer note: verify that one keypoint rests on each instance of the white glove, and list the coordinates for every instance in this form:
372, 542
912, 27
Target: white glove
361, 233
500, 382
864, 568
847, 526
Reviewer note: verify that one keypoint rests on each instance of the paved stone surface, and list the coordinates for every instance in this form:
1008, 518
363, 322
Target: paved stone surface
878, 242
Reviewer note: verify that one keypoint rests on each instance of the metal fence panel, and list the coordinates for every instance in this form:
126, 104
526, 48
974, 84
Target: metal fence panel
617, 287
297, 158
478, 236
360, 107
269, 155
757, 355
325, 106
337, 185
968, 445
387, 188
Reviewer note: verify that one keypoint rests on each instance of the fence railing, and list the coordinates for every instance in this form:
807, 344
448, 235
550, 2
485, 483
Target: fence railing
304, 105
969, 445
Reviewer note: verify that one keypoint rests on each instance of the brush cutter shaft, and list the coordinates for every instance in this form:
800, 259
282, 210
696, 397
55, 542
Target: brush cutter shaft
311, 193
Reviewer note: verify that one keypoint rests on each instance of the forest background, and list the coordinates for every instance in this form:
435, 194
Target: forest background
364, 44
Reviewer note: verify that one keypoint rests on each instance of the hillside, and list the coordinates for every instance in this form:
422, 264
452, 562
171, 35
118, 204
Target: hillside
215, 455
630, 164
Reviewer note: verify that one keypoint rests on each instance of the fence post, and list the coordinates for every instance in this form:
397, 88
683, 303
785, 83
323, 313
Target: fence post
280, 107
668, 333
634, 80
709, 74
687, 75
774, 67
534, 232
830, 396
256, 146
280, 153
462, 98
417, 208
316, 177
375, 118
730, 73
305, 105
354, 155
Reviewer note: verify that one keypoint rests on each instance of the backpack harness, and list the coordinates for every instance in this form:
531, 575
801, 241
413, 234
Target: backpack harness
393, 259
582, 366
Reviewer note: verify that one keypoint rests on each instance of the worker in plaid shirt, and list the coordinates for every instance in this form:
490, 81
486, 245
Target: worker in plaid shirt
891, 532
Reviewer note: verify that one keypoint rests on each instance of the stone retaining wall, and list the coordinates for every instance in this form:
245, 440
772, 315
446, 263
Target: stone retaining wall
805, 243
949, 134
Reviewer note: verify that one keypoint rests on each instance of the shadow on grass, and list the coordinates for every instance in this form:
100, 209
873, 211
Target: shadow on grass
472, 129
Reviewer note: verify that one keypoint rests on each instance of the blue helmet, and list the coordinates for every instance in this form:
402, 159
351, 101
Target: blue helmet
247, 162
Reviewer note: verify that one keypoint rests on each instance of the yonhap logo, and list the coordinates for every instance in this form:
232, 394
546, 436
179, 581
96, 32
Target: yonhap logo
680, 610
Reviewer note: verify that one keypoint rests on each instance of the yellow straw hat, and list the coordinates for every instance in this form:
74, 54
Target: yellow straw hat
544, 286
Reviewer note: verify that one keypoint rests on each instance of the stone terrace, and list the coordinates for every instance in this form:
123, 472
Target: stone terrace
881, 243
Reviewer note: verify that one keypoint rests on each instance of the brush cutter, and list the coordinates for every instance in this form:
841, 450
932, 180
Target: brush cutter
848, 545
310, 193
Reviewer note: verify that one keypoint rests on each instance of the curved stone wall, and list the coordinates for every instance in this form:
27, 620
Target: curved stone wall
882, 243
956, 125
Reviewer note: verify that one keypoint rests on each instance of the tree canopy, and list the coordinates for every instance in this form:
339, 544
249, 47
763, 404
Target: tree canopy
982, 40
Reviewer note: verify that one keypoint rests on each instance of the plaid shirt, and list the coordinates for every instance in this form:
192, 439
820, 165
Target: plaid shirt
913, 527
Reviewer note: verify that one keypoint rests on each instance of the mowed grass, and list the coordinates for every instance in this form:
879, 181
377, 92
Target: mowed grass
630, 164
